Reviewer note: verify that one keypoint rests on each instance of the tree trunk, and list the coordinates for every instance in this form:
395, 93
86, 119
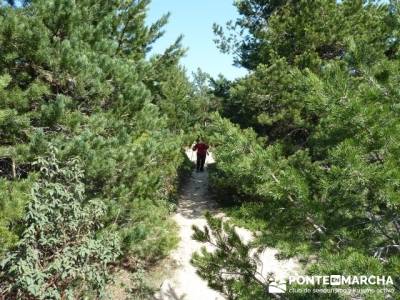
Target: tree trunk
13, 169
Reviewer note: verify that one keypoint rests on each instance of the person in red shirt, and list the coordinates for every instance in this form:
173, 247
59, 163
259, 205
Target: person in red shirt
201, 149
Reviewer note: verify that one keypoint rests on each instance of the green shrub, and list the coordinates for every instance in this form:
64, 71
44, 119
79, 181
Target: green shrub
62, 253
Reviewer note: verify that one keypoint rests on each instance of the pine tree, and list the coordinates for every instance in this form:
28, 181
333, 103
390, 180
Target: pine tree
314, 164
74, 75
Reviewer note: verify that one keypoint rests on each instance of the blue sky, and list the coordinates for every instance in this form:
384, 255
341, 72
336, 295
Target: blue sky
194, 19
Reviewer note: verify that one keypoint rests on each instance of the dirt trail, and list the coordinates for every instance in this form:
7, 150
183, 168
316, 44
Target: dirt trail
184, 283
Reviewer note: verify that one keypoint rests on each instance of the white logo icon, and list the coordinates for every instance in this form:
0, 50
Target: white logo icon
335, 279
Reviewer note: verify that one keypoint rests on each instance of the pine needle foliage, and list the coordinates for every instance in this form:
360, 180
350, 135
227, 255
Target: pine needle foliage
77, 76
308, 150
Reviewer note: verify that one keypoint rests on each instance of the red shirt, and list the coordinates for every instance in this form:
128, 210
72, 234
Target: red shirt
201, 149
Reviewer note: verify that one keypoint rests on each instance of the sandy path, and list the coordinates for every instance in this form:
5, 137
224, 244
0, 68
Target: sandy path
184, 283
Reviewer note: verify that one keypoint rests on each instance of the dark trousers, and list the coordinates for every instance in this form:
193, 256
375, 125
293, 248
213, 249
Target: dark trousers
201, 160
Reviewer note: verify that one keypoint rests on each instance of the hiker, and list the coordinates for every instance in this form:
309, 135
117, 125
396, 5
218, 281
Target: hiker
202, 152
